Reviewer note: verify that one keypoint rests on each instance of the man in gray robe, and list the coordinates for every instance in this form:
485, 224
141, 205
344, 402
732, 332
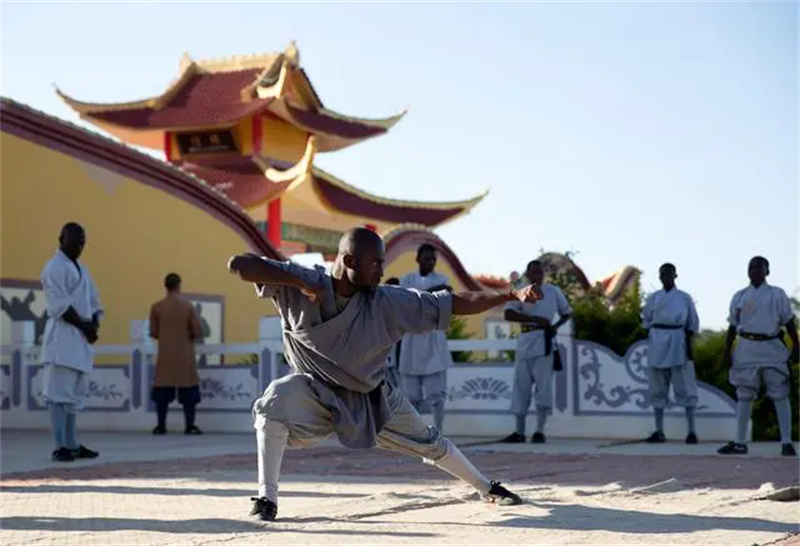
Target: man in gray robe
670, 317
338, 329
425, 358
757, 315
534, 357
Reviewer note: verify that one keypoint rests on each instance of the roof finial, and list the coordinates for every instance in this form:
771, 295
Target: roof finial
186, 60
292, 54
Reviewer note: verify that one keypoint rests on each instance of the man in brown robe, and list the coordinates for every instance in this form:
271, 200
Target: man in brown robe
174, 323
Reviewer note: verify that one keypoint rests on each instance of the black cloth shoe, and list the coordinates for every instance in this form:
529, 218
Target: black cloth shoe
538, 438
514, 438
193, 430
503, 496
732, 448
158, 431
264, 509
691, 438
656, 438
84, 452
63, 455
787, 450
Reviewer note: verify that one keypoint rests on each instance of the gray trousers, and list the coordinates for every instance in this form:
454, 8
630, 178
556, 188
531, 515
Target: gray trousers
748, 381
683, 381
537, 374
309, 421
424, 391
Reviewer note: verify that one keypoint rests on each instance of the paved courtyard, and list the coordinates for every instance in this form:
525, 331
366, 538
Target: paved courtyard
195, 490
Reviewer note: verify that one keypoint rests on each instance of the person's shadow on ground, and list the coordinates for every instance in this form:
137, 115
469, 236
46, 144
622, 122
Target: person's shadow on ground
187, 526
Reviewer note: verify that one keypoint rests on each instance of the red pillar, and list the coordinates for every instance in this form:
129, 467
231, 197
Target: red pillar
274, 222
168, 145
371, 227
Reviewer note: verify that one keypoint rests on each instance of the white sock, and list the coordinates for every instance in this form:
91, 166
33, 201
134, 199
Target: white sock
271, 439
456, 464
743, 408
784, 412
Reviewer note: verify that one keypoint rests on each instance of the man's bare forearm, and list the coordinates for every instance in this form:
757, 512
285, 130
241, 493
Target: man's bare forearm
515, 316
791, 329
730, 339
561, 320
474, 303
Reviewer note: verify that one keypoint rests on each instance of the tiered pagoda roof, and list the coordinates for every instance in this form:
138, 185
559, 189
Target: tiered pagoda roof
221, 93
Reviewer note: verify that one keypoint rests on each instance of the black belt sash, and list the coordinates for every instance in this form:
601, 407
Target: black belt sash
667, 326
548, 340
759, 337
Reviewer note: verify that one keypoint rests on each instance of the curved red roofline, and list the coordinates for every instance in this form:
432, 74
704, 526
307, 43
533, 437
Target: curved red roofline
34, 126
403, 240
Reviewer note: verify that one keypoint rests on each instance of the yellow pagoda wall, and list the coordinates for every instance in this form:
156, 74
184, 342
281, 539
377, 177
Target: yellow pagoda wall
136, 234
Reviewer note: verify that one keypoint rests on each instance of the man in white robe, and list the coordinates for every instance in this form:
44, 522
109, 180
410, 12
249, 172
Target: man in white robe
425, 358
671, 318
757, 315
73, 305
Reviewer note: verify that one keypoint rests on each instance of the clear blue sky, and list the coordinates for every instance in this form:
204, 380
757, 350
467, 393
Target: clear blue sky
631, 133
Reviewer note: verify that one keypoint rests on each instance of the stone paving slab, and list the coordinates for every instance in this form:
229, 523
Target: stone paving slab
183, 491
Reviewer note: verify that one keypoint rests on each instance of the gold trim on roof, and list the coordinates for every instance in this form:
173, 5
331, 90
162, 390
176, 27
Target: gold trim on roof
394, 231
383, 123
96, 108
238, 62
274, 90
442, 205
188, 69
296, 173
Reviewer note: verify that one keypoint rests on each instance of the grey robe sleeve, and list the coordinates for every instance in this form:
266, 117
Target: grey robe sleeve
415, 312
306, 274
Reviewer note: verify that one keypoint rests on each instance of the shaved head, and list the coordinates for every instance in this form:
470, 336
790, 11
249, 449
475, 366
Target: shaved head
360, 258
358, 240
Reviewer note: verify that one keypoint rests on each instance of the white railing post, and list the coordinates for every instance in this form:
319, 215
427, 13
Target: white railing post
141, 346
23, 343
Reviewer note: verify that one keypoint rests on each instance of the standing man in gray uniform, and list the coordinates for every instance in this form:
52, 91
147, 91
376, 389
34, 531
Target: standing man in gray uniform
424, 358
671, 318
533, 363
338, 329
756, 316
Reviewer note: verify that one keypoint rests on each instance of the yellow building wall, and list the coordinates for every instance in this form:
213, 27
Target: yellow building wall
281, 140
136, 234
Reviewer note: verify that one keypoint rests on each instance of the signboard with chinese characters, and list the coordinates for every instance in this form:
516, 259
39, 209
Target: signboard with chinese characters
206, 142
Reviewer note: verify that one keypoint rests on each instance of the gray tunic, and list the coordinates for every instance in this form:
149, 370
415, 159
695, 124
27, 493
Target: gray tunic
532, 344
763, 310
662, 311
424, 354
345, 353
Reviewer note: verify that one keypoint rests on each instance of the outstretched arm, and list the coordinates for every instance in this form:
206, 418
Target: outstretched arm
515, 316
473, 303
254, 269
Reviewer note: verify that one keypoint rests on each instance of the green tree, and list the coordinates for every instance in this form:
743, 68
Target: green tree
616, 327
458, 330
